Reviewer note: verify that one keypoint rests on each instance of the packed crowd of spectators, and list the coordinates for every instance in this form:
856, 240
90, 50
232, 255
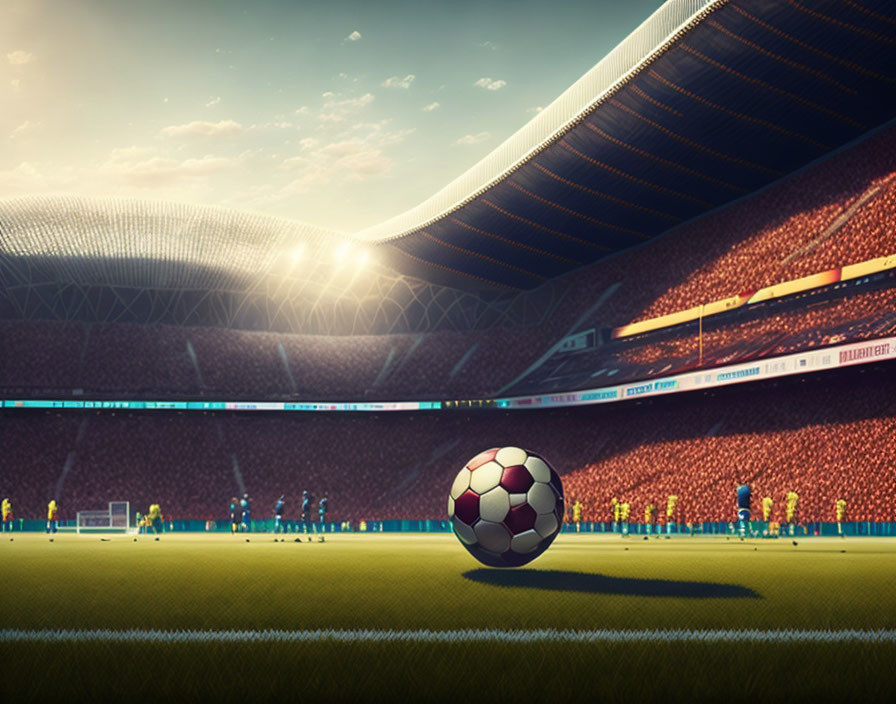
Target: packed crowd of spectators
45, 358
825, 437
784, 232
832, 321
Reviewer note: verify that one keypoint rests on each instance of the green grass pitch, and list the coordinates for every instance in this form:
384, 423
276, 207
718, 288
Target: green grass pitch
413, 582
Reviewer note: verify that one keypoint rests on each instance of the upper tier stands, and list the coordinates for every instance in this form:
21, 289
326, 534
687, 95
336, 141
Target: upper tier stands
837, 212
787, 231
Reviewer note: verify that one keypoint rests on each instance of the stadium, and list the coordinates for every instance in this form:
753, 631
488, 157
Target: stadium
676, 282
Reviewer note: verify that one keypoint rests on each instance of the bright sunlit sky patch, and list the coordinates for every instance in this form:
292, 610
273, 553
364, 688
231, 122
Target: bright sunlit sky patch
340, 114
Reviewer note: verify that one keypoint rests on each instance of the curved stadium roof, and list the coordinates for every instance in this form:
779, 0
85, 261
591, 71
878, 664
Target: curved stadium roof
707, 101
704, 103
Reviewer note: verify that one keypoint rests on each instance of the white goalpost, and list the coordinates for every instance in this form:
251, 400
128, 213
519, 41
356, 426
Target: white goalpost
115, 519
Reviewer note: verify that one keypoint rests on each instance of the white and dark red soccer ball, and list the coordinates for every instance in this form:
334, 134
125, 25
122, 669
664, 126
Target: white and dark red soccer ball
506, 506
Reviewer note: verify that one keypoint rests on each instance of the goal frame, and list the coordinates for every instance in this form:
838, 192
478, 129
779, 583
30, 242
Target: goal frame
116, 518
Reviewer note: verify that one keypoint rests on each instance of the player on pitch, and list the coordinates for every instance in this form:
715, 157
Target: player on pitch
246, 518
234, 523
278, 516
792, 499
322, 512
743, 509
840, 508
155, 519
6, 510
307, 503
52, 517
577, 515
671, 505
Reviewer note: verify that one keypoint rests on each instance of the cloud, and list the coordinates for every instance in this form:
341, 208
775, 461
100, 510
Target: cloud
354, 36
26, 178
537, 108
126, 171
22, 129
202, 128
473, 138
337, 110
328, 94
281, 125
357, 157
488, 45
489, 84
396, 82
302, 110
161, 172
213, 101
431, 107
19, 57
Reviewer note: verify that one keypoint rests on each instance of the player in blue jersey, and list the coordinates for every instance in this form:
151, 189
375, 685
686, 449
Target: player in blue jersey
246, 519
743, 509
307, 504
278, 517
322, 512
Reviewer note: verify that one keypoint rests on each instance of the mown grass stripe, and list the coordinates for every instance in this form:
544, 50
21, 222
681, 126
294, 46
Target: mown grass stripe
454, 636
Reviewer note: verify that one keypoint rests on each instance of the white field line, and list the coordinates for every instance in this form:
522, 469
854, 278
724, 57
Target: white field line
457, 636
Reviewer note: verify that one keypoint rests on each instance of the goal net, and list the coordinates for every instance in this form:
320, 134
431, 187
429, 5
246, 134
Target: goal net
115, 519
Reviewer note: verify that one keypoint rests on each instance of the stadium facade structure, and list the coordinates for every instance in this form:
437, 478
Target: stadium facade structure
706, 102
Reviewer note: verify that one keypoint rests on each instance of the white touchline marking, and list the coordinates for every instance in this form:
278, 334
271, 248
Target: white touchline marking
548, 635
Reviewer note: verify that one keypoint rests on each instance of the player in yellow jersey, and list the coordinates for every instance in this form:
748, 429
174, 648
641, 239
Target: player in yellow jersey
671, 505
52, 516
841, 515
768, 505
155, 518
616, 507
577, 514
792, 499
649, 511
625, 512
6, 510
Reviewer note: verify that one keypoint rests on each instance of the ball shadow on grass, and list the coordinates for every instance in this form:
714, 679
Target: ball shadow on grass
559, 580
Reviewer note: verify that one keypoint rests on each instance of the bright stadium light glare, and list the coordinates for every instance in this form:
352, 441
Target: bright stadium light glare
341, 252
362, 258
298, 253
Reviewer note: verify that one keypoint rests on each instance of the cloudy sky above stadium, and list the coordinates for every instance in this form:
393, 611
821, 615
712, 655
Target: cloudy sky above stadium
340, 114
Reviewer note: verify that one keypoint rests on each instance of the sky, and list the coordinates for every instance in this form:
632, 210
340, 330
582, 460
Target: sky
338, 114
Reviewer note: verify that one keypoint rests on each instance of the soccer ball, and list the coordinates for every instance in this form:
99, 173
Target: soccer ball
506, 506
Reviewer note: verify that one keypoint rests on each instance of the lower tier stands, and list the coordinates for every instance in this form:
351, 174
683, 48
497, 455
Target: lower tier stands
767, 330
826, 436
68, 360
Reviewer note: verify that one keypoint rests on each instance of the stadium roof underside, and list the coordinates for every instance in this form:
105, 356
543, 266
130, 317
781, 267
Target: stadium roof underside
735, 96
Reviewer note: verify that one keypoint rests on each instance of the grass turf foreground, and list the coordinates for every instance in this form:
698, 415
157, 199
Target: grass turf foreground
412, 672
429, 582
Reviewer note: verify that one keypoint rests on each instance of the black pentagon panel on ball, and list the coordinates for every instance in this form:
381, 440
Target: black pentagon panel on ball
466, 507
516, 479
520, 519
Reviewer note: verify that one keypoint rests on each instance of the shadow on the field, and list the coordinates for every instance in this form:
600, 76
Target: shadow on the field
558, 580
